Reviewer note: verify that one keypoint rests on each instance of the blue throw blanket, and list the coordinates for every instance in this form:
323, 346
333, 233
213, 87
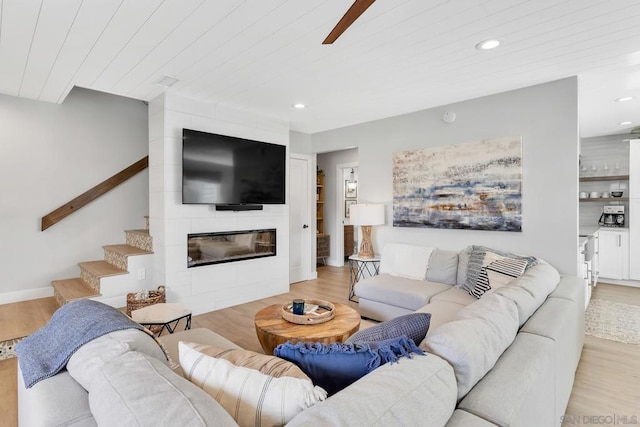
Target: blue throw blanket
46, 352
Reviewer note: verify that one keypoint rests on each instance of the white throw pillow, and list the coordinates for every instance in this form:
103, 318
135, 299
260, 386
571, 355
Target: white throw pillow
250, 397
403, 260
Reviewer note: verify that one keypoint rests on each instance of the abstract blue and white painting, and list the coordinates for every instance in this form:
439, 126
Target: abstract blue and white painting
475, 186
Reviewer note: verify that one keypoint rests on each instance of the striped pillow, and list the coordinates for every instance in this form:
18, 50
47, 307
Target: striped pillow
268, 365
498, 273
479, 257
250, 397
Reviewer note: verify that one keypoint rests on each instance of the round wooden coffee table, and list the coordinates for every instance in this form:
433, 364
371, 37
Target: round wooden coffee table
272, 329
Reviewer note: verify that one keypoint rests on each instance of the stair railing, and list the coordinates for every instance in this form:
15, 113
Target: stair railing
89, 196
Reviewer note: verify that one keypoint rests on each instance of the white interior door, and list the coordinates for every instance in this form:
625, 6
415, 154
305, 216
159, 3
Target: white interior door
299, 219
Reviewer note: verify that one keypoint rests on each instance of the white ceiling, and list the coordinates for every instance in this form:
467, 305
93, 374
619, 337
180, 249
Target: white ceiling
264, 55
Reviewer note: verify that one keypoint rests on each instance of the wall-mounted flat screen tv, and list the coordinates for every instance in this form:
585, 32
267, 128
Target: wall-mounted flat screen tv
225, 170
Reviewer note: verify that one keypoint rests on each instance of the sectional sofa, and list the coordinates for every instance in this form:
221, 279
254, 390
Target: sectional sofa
505, 359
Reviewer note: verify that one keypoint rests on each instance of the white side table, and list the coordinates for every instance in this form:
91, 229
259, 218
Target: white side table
165, 315
358, 267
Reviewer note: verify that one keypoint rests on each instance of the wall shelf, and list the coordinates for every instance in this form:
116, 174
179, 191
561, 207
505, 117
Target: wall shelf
602, 199
604, 178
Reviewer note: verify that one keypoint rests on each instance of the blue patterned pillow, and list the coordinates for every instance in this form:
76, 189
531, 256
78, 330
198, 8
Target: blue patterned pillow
414, 326
335, 366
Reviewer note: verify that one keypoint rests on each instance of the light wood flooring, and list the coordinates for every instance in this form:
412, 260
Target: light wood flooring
607, 379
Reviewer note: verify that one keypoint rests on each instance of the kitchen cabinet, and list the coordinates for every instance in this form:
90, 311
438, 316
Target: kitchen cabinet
634, 209
614, 253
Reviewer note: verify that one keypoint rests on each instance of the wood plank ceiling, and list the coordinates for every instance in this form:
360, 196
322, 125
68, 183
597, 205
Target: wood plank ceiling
264, 55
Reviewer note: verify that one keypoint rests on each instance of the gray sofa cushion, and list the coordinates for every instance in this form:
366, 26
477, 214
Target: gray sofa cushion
443, 267
90, 357
136, 389
456, 295
399, 291
413, 392
463, 265
531, 289
559, 319
56, 401
465, 419
441, 312
519, 390
475, 340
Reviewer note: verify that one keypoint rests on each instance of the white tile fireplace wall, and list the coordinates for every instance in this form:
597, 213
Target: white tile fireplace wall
217, 286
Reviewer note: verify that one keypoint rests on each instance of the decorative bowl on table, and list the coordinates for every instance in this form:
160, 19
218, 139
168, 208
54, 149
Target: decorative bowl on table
315, 311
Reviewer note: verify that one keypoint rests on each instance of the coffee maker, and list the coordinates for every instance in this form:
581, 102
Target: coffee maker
612, 216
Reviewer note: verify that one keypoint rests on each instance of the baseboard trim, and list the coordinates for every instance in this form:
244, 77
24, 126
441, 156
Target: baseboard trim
27, 294
631, 283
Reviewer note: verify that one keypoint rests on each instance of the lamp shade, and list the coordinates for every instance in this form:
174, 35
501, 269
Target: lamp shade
366, 214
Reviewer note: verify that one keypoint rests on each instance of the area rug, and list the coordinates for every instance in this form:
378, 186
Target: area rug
613, 321
7, 348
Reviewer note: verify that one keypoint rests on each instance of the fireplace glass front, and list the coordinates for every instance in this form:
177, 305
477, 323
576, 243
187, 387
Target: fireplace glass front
230, 246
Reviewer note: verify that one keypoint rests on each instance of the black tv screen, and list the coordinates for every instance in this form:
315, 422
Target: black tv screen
221, 169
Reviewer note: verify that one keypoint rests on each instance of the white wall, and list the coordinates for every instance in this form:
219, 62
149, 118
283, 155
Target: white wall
546, 116
211, 287
50, 154
299, 142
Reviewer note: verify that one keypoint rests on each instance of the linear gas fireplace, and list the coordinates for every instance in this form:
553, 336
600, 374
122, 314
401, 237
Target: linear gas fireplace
230, 246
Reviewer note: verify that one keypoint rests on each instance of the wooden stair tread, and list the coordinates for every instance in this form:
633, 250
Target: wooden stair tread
126, 250
140, 231
72, 289
101, 268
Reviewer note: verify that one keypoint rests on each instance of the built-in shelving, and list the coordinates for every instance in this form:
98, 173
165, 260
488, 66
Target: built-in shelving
322, 240
604, 178
602, 199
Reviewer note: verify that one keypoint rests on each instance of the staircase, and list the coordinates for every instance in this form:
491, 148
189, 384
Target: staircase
122, 270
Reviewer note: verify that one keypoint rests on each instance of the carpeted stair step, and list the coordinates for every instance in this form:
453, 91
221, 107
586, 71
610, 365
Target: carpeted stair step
140, 239
118, 254
67, 290
92, 271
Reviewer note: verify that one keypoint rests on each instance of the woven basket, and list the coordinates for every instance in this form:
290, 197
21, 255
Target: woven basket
155, 297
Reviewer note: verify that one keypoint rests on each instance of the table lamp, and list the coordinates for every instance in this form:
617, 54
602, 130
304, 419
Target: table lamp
366, 215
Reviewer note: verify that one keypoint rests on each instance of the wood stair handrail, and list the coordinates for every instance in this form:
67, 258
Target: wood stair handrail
89, 196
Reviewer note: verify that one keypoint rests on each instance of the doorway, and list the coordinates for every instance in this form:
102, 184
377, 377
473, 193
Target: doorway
335, 164
346, 195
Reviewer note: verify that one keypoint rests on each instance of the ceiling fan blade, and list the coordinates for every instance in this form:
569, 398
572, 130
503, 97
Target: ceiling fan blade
357, 8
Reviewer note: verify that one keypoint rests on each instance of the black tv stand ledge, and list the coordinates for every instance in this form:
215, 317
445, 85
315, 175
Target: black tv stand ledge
237, 208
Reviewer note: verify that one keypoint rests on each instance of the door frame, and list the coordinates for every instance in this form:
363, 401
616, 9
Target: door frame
339, 213
310, 250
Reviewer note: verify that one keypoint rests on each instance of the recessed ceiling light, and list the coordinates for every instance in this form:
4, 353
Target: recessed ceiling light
299, 106
488, 44
166, 81
624, 123
624, 99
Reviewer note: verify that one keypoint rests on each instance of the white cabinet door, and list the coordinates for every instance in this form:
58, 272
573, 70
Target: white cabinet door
634, 239
634, 173
614, 254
